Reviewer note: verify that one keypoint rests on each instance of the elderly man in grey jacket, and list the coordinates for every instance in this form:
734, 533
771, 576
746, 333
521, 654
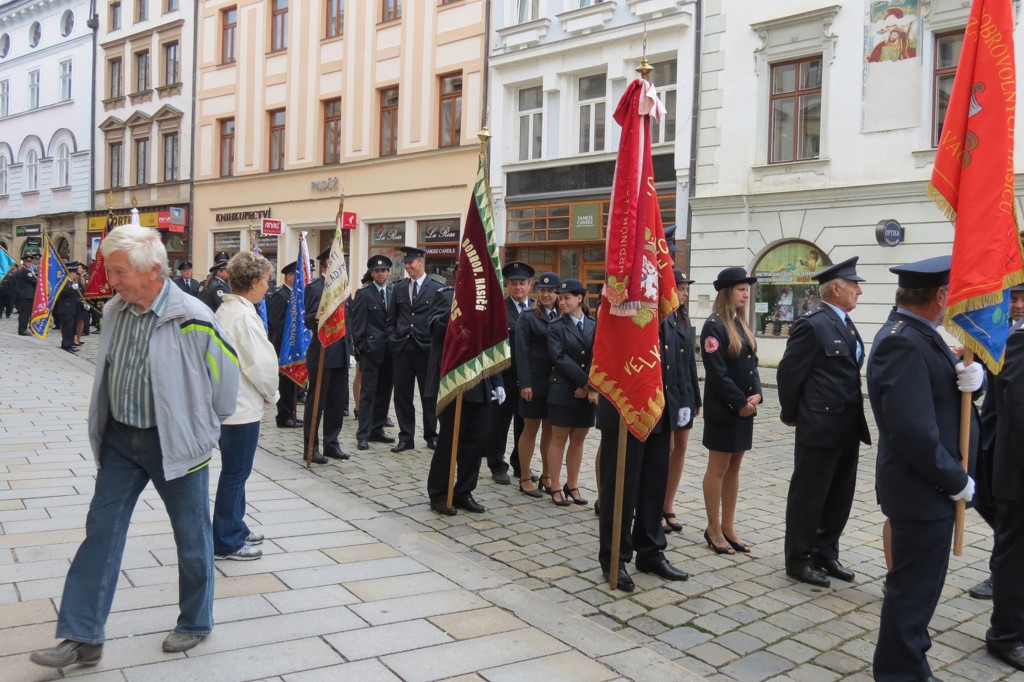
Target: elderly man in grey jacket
165, 379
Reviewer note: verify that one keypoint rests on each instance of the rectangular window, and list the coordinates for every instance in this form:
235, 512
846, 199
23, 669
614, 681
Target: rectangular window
5, 99
170, 6
142, 71
390, 10
664, 78
335, 18
591, 113
227, 147
531, 123
528, 10
229, 27
332, 131
116, 164
171, 64
65, 80
142, 161
451, 111
795, 111
389, 122
141, 10
947, 55
170, 157
114, 74
279, 26
115, 16
33, 89
277, 140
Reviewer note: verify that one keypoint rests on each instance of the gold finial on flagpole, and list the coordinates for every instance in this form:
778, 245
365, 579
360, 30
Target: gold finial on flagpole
485, 137
645, 66
135, 202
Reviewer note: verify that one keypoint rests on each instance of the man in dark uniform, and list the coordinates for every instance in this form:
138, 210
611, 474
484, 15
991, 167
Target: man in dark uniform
288, 390
334, 379
184, 279
66, 308
820, 394
517, 283
1005, 637
409, 343
216, 286
915, 383
8, 292
477, 414
26, 279
368, 327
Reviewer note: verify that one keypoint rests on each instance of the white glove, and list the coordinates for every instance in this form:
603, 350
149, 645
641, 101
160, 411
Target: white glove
74, 285
966, 494
498, 394
969, 377
683, 418
351, 361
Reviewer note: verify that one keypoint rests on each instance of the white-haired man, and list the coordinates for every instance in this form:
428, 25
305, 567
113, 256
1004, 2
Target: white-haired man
165, 379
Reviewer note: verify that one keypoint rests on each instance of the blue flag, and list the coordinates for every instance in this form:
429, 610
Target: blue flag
261, 307
7, 262
50, 280
296, 337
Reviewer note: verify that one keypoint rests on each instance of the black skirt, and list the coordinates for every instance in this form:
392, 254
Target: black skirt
579, 415
533, 409
734, 435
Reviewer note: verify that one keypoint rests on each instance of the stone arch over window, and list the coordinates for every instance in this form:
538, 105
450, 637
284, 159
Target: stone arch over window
65, 136
63, 248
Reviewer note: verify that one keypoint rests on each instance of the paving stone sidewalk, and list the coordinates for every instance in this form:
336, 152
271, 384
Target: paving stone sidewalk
342, 592
738, 618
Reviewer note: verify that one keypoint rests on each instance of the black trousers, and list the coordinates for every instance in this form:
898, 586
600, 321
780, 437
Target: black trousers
67, 331
24, 313
1007, 624
374, 395
410, 372
505, 415
288, 392
331, 409
472, 436
643, 493
6, 304
818, 505
920, 555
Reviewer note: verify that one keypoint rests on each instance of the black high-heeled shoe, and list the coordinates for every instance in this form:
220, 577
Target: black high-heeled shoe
567, 492
671, 523
561, 503
529, 493
738, 546
718, 550
544, 488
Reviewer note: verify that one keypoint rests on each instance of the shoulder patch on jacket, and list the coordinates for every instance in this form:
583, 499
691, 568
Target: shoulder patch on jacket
710, 344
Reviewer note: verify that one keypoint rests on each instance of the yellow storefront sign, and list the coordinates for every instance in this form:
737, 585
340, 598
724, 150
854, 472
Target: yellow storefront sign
99, 223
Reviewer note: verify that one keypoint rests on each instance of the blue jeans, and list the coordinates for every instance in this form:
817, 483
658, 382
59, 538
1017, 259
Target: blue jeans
237, 449
129, 459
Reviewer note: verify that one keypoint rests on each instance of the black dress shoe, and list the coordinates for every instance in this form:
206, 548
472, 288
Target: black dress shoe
24, 334
1012, 656
318, 458
624, 582
362, 445
336, 454
808, 574
389, 424
834, 569
662, 568
501, 478
402, 447
442, 509
469, 504
380, 438
982, 590
432, 442
289, 424
344, 412
69, 349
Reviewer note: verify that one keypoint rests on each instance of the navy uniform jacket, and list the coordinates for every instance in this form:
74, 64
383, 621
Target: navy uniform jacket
912, 386
438, 315
369, 322
277, 309
571, 354
26, 284
533, 366
190, 287
728, 381
69, 302
510, 376
1008, 393
409, 321
679, 366
336, 354
819, 381
211, 294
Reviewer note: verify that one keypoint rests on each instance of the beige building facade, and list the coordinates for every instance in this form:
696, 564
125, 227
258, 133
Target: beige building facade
302, 101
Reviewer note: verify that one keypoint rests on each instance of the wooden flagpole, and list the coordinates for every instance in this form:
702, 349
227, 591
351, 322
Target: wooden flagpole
315, 417
455, 449
966, 406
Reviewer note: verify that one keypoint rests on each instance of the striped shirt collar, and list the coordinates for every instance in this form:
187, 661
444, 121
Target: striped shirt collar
158, 304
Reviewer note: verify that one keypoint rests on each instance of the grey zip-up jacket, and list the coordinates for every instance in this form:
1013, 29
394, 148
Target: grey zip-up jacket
194, 374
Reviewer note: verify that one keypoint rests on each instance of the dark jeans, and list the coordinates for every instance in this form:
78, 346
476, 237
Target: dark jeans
129, 459
237, 449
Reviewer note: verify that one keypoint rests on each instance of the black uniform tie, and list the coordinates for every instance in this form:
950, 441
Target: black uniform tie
384, 298
415, 290
552, 316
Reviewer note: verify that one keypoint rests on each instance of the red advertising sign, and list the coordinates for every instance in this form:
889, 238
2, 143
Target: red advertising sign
269, 226
166, 220
349, 221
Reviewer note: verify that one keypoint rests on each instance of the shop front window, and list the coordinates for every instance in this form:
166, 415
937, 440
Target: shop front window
784, 289
385, 238
440, 239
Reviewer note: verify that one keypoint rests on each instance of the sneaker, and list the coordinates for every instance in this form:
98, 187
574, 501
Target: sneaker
177, 642
243, 553
254, 538
68, 653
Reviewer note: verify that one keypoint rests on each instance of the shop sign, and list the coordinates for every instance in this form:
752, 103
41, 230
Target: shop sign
98, 223
349, 220
267, 243
585, 221
270, 227
440, 230
226, 241
324, 185
441, 250
26, 230
242, 216
387, 233
36, 242
178, 215
889, 233
165, 220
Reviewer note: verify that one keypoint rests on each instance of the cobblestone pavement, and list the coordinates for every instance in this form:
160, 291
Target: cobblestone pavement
737, 618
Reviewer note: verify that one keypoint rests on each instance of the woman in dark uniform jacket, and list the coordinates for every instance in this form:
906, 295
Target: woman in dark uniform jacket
732, 391
533, 369
682, 392
571, 401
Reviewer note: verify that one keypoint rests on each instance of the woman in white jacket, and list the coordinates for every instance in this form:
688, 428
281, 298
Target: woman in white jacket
248, 275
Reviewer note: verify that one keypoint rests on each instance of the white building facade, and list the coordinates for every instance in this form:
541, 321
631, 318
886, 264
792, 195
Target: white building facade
558, 69
45, 125
819, 121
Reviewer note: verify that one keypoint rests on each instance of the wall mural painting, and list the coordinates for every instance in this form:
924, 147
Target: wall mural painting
892, 73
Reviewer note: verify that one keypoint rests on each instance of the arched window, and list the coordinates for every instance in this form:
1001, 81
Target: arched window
67, 23
32, 171
784, 289
3, 176
63, 249
63, 166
